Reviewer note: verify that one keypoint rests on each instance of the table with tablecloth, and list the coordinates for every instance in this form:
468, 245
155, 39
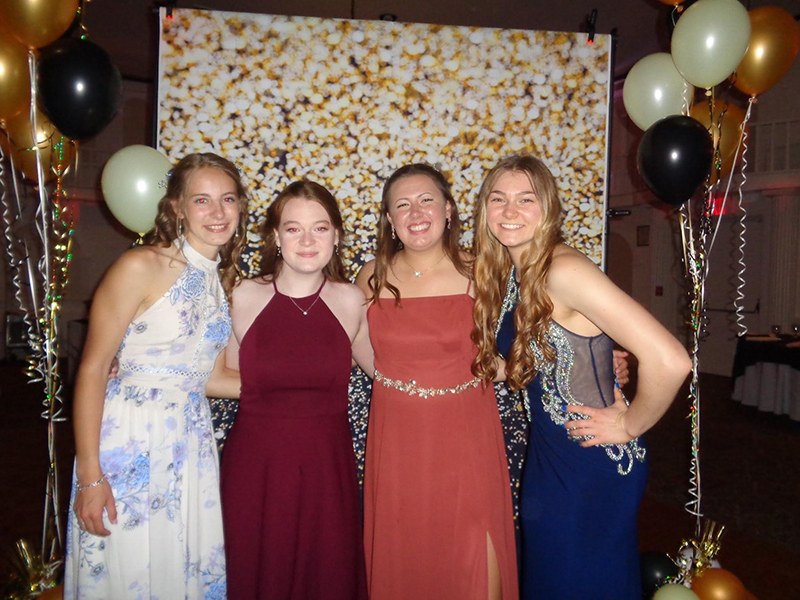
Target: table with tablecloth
766, 373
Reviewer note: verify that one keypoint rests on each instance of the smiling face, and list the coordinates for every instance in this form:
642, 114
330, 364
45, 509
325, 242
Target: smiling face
513, 212
418, 211
305, 235
209, 210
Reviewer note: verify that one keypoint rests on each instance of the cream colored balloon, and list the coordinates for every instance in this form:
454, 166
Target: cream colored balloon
710, 40
654, 89
133, 181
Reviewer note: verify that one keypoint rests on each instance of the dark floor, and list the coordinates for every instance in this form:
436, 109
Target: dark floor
749, 482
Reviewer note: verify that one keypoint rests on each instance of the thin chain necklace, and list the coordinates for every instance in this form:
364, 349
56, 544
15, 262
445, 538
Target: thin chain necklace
305, 312
421, 273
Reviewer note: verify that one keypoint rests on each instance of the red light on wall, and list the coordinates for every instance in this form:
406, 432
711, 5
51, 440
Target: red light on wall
718, 206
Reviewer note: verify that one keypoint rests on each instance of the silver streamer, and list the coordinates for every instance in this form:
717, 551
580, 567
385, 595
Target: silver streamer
737, 302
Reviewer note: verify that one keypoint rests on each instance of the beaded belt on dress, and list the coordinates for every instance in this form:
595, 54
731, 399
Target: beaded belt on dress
412, 389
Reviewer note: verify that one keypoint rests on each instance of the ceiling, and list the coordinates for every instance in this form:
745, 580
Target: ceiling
127, 29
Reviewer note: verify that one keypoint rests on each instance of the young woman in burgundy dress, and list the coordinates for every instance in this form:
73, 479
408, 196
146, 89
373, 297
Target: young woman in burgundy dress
289, 490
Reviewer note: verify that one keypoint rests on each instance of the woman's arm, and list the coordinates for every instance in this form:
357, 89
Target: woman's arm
362, 279
116, 303
224, 381
576, 284
362, 347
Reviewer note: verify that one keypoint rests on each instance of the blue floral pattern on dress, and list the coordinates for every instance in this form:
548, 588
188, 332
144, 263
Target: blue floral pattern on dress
158, 453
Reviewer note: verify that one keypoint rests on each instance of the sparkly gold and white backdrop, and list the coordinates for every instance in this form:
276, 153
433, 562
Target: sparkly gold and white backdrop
347, 102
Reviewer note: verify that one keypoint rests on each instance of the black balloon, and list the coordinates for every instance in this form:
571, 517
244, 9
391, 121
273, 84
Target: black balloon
655, 567
675, 157
78, 87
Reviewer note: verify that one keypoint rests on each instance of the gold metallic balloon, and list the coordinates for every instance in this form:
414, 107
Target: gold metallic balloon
718, 584
726, 135
774, 44
57, 152
37, 23
15, 83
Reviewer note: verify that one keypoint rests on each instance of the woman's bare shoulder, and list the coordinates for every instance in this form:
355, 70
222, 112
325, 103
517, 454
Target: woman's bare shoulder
250, 286
144, 260
348, 292
569, 270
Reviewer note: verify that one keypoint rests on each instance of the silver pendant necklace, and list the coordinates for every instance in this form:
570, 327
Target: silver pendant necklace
421, 273
305, 312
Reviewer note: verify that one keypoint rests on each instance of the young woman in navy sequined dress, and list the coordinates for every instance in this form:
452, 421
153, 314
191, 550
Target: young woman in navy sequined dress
552, 314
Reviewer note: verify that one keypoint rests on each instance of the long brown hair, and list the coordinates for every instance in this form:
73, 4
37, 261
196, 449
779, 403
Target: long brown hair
166, 228
388, 247
493, 267
271, 262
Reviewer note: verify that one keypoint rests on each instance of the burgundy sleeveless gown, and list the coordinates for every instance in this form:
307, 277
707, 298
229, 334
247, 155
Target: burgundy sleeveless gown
289, 491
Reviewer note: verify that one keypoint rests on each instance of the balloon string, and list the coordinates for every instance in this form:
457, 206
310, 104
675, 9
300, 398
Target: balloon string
12, 214
48, 360
742, 137
737, 302
82, 14
717, 164
693, 241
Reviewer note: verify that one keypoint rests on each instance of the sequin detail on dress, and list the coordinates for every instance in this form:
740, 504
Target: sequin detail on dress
555, 380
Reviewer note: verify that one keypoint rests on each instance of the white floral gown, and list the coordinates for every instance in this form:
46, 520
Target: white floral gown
158, 453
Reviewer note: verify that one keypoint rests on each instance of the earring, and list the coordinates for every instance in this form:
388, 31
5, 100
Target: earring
279, 250
336, 248
448, 222
394, 236
180, 228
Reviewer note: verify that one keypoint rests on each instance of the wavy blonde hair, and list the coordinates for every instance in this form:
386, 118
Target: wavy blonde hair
271, 262
167, 222
388, 247
493, 267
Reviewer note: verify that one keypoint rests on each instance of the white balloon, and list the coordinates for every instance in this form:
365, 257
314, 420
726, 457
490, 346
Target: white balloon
654, 89
133, 181
675, 591
710, 40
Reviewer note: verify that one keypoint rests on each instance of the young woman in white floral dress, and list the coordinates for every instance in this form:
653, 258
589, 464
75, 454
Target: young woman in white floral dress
145, 518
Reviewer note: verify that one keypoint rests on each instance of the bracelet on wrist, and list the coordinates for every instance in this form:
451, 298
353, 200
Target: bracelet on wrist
80, 488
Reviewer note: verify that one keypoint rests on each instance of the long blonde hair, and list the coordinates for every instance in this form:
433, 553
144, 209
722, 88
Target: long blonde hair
166, 228
388, 246
493, 268
271, 261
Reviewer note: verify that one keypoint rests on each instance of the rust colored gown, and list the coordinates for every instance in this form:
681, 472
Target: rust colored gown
436, 478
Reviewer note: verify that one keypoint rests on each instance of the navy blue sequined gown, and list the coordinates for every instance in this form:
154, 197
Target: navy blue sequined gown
578, 506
